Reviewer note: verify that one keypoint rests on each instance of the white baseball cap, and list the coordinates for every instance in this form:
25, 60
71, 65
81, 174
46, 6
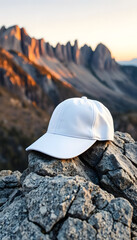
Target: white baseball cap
75, 125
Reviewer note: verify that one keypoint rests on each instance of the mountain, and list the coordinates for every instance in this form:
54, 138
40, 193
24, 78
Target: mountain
35, 77
31, 81
92, 73
132, 62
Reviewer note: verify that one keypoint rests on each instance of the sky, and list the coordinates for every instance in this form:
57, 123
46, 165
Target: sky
111, 22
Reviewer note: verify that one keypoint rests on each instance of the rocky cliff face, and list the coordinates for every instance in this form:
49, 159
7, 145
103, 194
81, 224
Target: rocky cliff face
93, 196
17, 39
29, 81
92, 73
102, 59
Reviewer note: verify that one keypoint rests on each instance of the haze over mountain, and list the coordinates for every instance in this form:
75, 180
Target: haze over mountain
132, 62
81, 71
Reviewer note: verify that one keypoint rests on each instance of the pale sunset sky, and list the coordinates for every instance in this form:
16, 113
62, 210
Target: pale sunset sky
112, 22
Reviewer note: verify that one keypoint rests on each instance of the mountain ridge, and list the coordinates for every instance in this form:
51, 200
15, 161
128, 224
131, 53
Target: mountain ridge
92, 73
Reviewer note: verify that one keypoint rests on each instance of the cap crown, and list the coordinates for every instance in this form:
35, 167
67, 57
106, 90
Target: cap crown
82, 118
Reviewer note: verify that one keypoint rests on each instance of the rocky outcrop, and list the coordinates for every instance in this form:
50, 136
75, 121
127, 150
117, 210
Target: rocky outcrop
10, 38
102, 59
17, 81
86, 55
92, 196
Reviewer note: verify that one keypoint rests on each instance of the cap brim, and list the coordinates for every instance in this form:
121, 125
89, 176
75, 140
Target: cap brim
59, 146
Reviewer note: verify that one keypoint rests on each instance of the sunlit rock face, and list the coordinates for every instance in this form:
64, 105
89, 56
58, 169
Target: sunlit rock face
11, 38
92, 196
92, 73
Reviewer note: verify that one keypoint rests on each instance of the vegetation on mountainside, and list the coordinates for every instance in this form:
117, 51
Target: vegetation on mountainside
21, 123
12, 149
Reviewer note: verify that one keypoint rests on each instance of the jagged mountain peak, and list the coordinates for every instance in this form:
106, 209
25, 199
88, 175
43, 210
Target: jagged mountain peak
24, 31
18, 39
102, 59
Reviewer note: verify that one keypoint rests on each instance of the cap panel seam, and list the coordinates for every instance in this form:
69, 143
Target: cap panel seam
58, 120
93, 121
62, 116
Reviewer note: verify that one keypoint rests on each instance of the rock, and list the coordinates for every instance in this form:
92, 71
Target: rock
9, 179
15, 225
101, 59
42, 49
86, 55
59, 52
93, 155
106, 222
134, 229
82, 207
99, 220
120, 210
47, 166
131, 152
116, 166
49, 49
69, 51
47, 211
93, 196
125, 137
76, 229
9, 182
11, 38
76, 53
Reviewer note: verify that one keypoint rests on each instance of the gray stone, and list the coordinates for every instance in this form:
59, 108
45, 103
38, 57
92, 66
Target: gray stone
113, 159
50, 201
126, 137
119, 142
11, 218
131, 152
48, 166
94, 154
76, 229
82, 206
31, 182
102, 221
101, 198
134, 229
2, 201
120, 178
9, 179
29, 230
14, 223
117, 172
120, 232
57, 199
105, 221
121, 210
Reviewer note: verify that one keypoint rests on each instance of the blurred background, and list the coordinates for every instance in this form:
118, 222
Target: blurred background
51, 50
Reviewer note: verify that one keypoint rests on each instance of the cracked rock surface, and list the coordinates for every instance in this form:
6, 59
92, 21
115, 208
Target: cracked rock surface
93, 196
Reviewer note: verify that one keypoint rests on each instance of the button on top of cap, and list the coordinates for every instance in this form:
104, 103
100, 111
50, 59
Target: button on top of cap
84, 97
